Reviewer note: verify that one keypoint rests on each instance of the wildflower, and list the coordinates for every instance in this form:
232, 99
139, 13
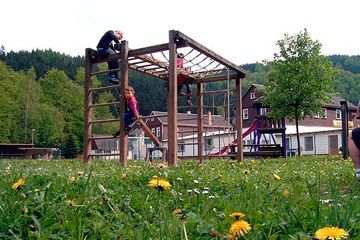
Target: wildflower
246, 172
286, 193
71, 203
18, 184
180, 214
25, 210
213, 233
276, 177
332, 233
73, 179
237, 215
124, 176
159, 183
80, 173
238, 229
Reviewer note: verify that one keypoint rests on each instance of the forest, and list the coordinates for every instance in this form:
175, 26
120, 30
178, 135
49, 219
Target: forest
42, 96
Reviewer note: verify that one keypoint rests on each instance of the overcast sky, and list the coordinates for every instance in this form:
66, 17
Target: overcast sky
240, 31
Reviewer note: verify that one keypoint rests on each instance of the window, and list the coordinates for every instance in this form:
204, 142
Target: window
338, 114
181, 147
324, 115
309, 143
252, 95
316, 116
262, 111
153, 130
208, 144
245, 113
158, 132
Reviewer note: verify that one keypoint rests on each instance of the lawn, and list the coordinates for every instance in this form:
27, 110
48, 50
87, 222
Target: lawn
272, 199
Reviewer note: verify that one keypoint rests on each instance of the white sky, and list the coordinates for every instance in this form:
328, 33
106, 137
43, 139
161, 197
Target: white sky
240, 31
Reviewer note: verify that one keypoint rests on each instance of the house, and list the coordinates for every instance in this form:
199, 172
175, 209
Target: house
319, 134
13, 150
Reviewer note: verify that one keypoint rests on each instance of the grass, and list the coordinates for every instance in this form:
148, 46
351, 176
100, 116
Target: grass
281, 199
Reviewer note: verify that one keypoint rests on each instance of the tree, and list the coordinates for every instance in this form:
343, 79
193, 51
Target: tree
301, 82
71, 148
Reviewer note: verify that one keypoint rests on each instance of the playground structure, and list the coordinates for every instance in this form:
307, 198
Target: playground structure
261, 126
201, 66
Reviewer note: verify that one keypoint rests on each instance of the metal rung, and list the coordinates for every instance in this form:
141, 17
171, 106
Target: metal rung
105, 88
106, 71
104, 104
105, 120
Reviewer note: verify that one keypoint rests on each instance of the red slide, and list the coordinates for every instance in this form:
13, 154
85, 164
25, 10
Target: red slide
225, 149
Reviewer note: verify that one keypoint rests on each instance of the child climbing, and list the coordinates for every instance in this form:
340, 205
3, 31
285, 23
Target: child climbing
182, 79
131, 112
106, 48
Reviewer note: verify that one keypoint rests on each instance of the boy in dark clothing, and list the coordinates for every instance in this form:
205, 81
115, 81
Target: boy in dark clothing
131, 112
354, 146
106, 48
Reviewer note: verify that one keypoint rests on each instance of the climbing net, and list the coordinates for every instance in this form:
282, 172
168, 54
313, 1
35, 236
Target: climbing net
196, 64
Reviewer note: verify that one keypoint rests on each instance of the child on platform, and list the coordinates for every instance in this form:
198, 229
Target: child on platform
131, 112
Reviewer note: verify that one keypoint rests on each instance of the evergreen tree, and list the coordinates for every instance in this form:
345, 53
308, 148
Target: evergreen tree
71, 148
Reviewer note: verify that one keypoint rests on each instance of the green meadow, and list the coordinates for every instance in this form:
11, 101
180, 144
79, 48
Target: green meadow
280, 199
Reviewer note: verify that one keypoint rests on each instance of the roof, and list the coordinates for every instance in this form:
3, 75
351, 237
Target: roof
16, 145
334, 104
291, 129
189, 119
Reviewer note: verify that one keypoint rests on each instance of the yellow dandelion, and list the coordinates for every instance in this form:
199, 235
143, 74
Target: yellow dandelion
180, 214
276, 177
246, 172
331, 233
238, 229
80, 173
73, 179
177, 212
237, 215
286, 193
124, 176
159, 183
18, 184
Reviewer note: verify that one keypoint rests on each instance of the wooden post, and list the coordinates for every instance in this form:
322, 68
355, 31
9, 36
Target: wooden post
172, 101
87, 108
239, 153
123, 84
345, 129
200, 122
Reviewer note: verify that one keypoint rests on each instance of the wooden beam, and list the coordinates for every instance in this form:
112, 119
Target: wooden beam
192, 43
149, 133
124, 83
172, 101
87, 109
211, 79
151, 49
238, 117
199, 89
